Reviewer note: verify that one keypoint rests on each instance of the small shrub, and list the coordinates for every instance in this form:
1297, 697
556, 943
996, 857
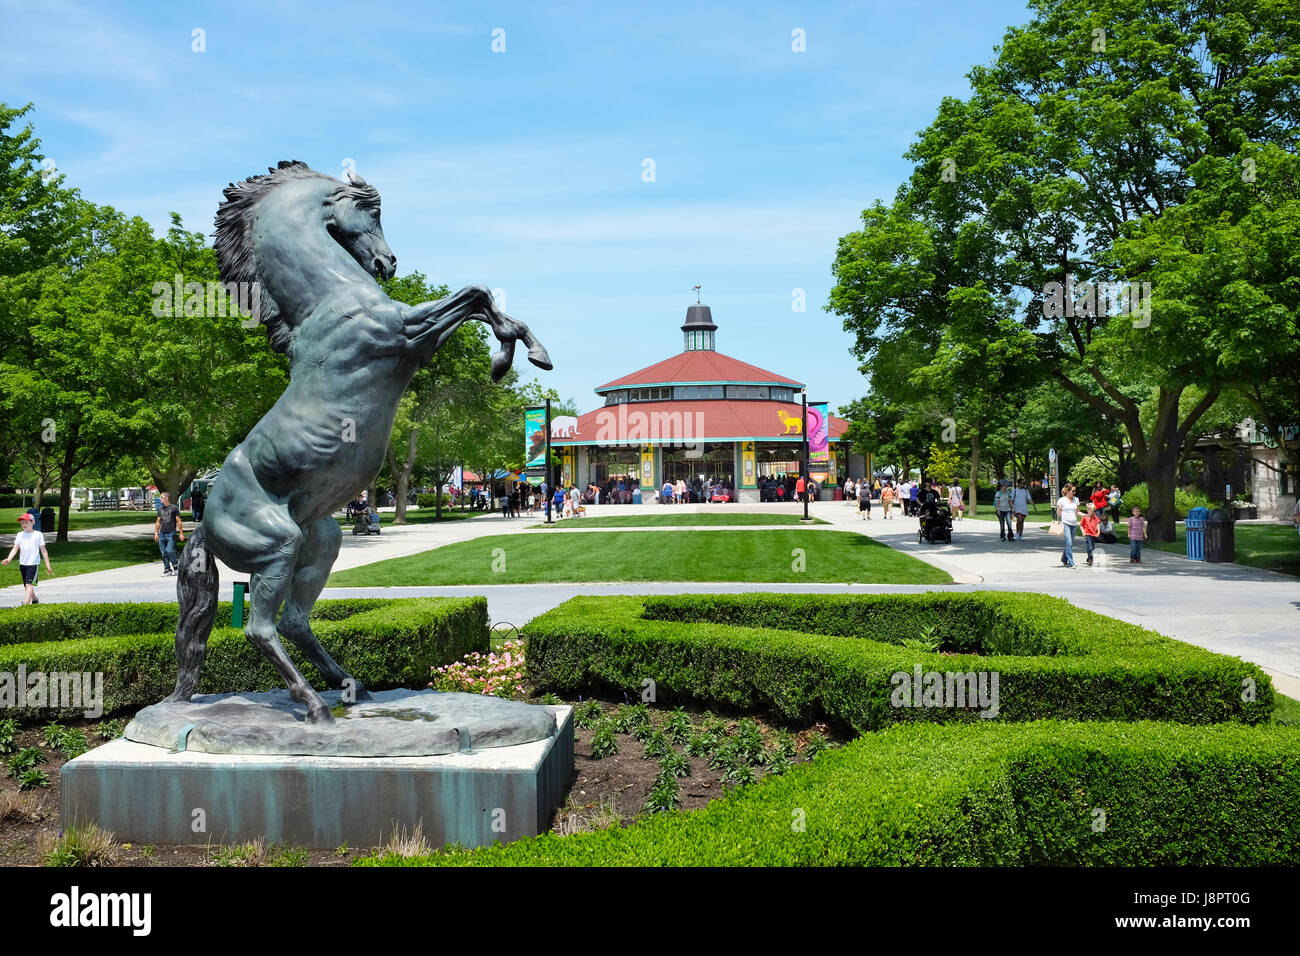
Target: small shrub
53, 733
749, 741
8, 734
603, 741
739, 774
786, 744
778, 763
665, 795
587, 714
73, 744
110, 729
24, 760
725, 755
551, 700
678, 727
78, 846
678, 765
657, 745
702, 744
33, 777
627, 718
814, 744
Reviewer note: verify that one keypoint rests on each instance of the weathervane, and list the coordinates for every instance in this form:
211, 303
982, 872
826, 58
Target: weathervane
696, 290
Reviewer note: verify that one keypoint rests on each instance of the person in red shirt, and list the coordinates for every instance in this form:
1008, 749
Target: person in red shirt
1100, 496
1090, 525
798, 489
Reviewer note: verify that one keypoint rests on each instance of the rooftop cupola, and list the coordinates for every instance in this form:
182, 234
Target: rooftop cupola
699, 329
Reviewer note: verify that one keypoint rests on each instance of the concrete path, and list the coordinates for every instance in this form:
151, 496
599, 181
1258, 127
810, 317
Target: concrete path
1231, 609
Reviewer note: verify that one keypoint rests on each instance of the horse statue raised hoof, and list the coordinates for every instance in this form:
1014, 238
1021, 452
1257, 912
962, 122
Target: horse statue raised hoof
304, 250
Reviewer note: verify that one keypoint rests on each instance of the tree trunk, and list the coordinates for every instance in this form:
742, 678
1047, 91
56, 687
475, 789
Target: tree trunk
971, 503
65, 503
402, 476
1160, 509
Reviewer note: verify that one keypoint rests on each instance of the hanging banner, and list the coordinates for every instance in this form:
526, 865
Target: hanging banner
535, 437
819, 438
647, 467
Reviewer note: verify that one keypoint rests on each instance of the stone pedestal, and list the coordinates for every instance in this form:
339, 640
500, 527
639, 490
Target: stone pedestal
150, 794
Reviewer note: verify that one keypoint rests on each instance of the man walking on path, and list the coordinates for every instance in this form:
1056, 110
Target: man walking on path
1020, 507
167, 530
29, 545
1002, 504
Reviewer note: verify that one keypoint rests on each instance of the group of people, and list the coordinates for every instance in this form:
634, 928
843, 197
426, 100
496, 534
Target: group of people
681, 492
1096, 522
906, 494
779, 488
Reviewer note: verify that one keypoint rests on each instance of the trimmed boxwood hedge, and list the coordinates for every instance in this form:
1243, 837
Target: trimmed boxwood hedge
985, 794
384, 643
806, 657
60, 622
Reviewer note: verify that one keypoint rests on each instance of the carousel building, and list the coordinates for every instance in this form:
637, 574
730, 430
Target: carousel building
699, 415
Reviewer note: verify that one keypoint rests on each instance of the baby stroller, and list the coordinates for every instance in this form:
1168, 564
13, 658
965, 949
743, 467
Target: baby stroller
367, 523
936, 524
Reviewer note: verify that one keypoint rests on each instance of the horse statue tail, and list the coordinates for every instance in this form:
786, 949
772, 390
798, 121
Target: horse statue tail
196, 589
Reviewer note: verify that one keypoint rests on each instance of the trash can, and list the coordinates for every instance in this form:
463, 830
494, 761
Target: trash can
47, 521
1195, 526
1220, 537
636, 496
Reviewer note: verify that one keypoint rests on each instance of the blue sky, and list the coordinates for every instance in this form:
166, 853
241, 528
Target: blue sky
522, 170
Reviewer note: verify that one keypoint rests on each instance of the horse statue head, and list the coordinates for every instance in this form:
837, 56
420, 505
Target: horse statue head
253, 221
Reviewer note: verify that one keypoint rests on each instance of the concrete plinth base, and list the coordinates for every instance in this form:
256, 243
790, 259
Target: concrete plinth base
148, 794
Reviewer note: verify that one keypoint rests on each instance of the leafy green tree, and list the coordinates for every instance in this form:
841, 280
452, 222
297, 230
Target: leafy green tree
37, 223
1089, 121
202, 374
67, 393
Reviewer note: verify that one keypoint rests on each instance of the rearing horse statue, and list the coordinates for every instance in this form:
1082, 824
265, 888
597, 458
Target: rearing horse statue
311, 246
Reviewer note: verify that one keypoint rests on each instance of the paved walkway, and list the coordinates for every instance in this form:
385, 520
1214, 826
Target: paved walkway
1231, 609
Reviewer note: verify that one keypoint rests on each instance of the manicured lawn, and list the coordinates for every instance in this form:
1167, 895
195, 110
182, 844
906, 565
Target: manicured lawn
758, 556
685, 519
81, 557
1268, 546
81, 520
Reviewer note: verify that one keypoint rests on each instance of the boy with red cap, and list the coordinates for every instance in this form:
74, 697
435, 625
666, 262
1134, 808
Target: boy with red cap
30, 548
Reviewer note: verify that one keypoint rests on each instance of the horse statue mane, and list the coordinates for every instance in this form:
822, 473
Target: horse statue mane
234, 237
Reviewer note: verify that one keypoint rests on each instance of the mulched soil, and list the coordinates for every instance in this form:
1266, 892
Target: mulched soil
605, 791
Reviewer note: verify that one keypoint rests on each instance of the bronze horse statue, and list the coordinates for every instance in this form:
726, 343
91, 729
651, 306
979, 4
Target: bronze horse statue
310, 247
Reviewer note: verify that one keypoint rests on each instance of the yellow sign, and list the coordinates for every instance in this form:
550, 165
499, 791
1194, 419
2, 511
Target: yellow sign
647, 467
748, 479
